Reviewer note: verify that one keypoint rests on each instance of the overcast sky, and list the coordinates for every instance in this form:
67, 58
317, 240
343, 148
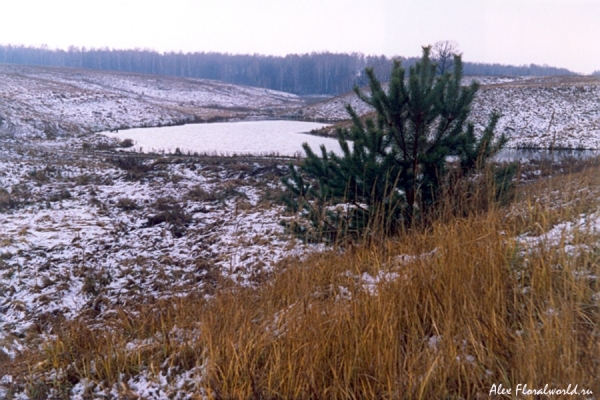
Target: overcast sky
562, 33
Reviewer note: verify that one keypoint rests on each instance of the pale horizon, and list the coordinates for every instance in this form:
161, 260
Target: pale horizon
558, 33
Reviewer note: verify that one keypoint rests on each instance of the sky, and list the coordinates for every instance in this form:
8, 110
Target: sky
561, 33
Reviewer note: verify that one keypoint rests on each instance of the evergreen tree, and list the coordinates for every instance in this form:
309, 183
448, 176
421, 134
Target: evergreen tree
394, 170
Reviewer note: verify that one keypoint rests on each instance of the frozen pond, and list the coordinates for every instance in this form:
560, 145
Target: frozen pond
274, 137
524, 155
228, 138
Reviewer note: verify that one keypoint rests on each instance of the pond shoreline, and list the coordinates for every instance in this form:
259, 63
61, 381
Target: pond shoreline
250, 136
259, 137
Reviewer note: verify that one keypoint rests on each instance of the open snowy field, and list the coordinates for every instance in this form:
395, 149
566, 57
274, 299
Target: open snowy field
87, 234
49, 102
548, 112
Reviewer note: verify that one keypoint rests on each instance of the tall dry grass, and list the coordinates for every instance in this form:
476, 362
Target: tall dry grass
442, 312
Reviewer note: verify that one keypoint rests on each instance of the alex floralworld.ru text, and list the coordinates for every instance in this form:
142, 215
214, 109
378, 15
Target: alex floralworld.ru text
522, 389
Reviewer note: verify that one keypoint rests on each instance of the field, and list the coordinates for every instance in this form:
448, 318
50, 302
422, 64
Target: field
127, 275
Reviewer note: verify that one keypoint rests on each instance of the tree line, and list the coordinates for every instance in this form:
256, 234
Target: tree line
304, 74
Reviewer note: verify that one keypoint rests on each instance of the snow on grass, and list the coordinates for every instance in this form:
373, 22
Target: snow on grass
41, 102
549, 112
76, 237
84, 253
564, 234
544, 116
335, 109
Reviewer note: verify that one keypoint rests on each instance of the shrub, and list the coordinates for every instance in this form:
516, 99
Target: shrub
63, 194
126, 143
103, 146
197, 193
39, 176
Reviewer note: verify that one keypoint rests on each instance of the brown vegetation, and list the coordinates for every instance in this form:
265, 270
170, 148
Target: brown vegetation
443, 312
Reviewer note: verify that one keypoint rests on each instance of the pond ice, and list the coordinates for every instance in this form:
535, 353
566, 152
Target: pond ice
242, 137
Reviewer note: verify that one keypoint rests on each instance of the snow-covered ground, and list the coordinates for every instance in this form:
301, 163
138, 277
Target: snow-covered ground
81, 233
335, 109
544, 113
558, 112
48, 102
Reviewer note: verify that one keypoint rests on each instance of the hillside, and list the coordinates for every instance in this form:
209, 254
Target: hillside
49, 102
124, 260
559, 112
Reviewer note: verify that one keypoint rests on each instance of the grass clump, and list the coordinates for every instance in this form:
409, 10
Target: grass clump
448, 320
62, 194
198, 193
227, 190
40, 176
7, 201
446, 311
169, 211
135, 167
126, 204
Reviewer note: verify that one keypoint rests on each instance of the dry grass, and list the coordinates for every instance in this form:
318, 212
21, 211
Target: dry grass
458, 307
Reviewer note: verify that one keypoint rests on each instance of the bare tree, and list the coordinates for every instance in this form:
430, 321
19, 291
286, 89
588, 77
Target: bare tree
443, 53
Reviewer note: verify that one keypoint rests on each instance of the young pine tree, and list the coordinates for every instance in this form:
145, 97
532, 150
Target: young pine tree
393, 171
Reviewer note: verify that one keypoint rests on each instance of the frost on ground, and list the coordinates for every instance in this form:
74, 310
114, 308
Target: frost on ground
83, 232
48, 102
548, 112
44, 102
565, 235
335, 109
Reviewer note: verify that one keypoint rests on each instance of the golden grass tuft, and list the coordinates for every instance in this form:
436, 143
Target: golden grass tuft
445, 312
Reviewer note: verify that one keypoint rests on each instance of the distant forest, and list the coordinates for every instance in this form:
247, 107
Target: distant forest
303, 74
